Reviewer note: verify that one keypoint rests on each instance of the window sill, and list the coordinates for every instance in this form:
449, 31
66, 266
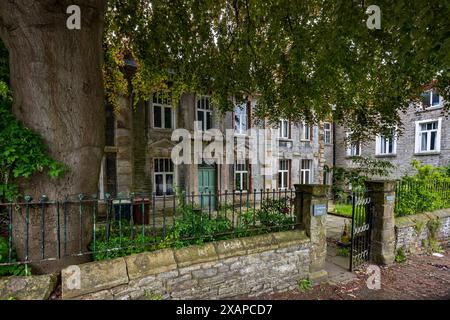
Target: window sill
240, 135
387, 155
427, 153
162, 129
284, 139
239, 192
440, 106
166, 196
422, 110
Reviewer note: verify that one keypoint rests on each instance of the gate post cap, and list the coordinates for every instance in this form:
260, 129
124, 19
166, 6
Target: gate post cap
313, 189
381, 185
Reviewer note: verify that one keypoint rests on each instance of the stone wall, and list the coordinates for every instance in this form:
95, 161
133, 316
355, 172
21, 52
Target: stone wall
223, 269
27, 288
412, 233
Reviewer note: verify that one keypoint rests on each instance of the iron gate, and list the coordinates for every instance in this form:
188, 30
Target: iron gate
362, 219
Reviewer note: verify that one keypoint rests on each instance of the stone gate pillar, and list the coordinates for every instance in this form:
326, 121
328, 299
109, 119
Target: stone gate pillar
382, 194
311, 207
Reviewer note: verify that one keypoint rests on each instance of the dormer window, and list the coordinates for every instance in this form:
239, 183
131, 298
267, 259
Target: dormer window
431, 99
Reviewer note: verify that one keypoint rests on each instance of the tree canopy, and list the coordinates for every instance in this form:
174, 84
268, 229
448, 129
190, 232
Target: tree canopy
300, 57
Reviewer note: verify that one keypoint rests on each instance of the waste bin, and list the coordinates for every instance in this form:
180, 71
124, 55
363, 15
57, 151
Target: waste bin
122, 209
138, 217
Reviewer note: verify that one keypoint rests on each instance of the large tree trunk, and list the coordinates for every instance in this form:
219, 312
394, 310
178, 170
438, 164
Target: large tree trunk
56, 78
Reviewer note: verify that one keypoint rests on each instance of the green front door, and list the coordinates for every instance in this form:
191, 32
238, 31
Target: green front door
207, 185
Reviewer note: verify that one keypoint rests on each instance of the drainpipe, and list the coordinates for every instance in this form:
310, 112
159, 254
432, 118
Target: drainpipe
333, 108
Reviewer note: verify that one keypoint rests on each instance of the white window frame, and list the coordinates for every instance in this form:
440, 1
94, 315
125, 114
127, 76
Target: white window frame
306, 132
163, 103
304, 170
327, 133
381, 141
419, 133
283, 184
432, 93
327, 178
353, 149
241, 174
164, 175
206, 109
283, 129
240, 112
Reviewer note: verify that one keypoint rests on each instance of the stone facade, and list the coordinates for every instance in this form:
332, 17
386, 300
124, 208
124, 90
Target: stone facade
138, 142
224, 269
382, 194
405, 144
412, 232
308, 196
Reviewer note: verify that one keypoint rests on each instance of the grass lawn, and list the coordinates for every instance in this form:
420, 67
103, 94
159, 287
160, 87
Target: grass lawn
343, 209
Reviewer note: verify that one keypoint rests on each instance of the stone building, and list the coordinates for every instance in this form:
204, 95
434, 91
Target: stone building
425, 137
139, 146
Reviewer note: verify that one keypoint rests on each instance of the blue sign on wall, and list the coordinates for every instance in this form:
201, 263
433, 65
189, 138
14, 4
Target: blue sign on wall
390, 198
319, 210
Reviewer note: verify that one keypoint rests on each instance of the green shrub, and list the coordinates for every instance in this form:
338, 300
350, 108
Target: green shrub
433, 226
428, 190
192, 227
275, 215
11, 270
22, 151
344, 252
400, 255
304, 285
196, 228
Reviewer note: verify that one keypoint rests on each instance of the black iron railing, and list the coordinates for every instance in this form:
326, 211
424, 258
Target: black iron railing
421, 195
39, 230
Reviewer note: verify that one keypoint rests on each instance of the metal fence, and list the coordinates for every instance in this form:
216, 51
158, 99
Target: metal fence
416, 196
44, 230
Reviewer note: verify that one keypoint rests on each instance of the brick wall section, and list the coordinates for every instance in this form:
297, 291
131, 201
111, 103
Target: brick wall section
412, 231
223, 269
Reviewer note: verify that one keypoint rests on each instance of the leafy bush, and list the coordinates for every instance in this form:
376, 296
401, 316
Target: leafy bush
400, 255
344, 252
192, 227
275, 215
362, 169
428, 190
304, 285
11, 270
196, 228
